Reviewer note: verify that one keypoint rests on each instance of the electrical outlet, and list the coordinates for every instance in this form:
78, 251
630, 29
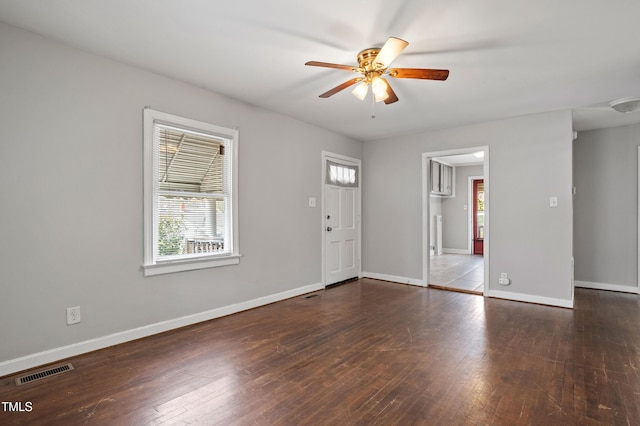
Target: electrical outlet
504, 279
73, 315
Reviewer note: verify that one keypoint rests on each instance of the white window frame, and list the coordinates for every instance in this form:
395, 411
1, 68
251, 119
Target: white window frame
151, 266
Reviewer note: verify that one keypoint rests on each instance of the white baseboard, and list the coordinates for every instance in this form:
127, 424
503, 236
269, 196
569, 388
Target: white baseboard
518, 297
529, 298
455, 251
393, 278
24, 363
609, 287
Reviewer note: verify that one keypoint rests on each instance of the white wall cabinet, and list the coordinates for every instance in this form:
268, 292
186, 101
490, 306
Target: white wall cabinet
442, 179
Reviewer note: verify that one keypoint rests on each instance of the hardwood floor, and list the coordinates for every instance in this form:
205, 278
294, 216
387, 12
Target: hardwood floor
457, 272
366, 352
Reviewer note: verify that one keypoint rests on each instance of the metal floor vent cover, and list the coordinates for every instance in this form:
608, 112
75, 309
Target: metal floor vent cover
43, 374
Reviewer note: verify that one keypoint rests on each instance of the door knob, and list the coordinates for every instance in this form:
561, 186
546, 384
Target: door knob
329, 229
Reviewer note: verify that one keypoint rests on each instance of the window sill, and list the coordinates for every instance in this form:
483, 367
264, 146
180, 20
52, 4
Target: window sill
189, 265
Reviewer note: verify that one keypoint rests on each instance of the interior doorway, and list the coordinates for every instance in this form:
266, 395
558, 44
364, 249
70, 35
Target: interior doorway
455, 224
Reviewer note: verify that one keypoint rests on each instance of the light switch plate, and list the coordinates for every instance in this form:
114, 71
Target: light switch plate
553, 201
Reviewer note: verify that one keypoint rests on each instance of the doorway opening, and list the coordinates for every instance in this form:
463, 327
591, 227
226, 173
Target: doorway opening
455, 222
477, 219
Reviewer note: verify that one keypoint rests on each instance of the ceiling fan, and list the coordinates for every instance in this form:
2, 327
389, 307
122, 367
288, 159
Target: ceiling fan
373, 64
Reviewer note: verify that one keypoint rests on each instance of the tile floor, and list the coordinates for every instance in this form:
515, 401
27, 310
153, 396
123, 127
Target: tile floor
459, 272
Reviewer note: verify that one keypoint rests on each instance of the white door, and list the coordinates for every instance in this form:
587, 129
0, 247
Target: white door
341, 220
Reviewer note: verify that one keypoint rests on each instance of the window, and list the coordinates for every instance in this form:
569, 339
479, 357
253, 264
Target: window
341, 175
190, 194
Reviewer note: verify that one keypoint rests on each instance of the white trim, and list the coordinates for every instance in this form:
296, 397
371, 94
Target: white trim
426, 231
427, 252
149, 266
470, 212
609, 287
189, 265
454, 251
19, 364
394, 279
529, 298
326, 155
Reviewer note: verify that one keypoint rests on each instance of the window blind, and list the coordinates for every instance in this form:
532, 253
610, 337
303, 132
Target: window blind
192, 192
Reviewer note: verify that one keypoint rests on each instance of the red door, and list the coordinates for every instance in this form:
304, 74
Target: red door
478, 216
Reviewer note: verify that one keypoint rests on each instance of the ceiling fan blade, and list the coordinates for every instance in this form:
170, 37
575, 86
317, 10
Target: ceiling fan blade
389, 52
330, 65
392, 95
341, 87
423, 73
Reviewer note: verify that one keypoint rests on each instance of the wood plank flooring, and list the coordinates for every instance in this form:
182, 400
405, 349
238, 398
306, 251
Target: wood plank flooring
366, 352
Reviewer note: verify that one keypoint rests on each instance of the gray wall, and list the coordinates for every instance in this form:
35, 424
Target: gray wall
606, 206
529, 161
455, 219
71, 198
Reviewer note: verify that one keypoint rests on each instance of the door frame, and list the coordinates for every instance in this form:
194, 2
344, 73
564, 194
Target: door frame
475, 214
470, 212
426, 204
326, 155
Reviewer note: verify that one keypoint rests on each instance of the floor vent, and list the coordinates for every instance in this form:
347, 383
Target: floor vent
43, 373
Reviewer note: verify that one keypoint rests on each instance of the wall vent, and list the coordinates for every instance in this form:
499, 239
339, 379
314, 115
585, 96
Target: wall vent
43, 373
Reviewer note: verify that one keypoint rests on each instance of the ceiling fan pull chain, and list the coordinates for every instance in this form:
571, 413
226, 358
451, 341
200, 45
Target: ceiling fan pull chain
373, 106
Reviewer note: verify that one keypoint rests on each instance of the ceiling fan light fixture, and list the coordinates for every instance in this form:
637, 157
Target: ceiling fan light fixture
361, 90
381, 97
625, 105
379, 89
378, 85
373, 67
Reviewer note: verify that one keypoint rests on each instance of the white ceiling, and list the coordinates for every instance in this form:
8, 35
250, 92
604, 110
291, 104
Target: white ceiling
506, 57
